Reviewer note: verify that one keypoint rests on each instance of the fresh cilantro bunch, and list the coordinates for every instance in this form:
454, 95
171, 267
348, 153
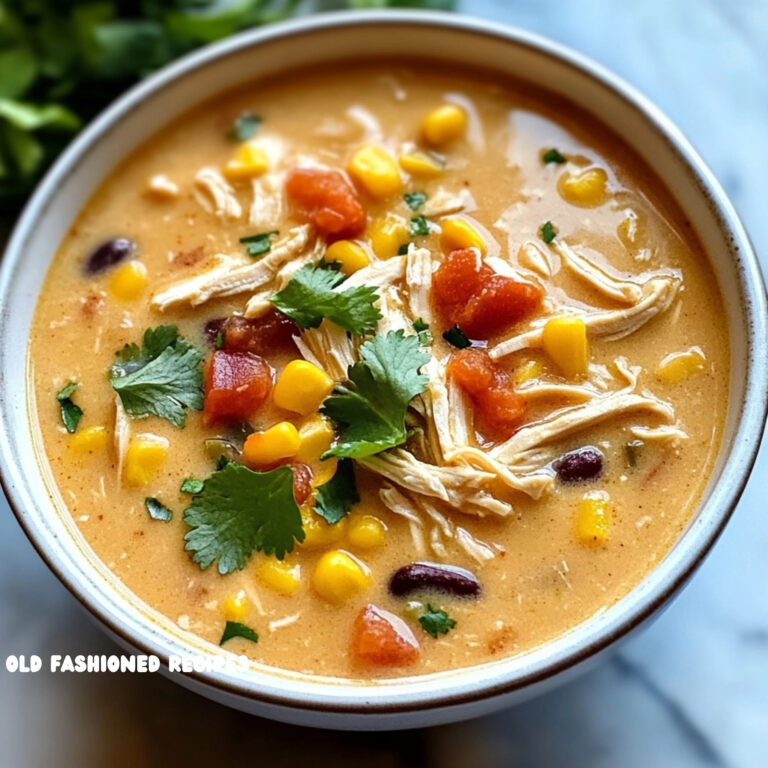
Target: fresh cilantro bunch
370, 407
62, 62
239, 511
162, 377
310, 297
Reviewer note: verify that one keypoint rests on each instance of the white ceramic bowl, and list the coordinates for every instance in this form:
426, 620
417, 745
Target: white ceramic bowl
458, 41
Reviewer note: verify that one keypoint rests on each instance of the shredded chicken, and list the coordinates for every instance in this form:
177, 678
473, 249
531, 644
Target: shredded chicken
266, 210
444, 202
535, 259
122, 435
214, 193
232, 275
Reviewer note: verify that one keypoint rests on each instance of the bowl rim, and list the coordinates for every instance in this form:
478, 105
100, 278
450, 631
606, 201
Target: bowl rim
698, 539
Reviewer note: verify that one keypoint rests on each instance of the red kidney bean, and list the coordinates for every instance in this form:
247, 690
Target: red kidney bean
108, 254
582, 464
450, 579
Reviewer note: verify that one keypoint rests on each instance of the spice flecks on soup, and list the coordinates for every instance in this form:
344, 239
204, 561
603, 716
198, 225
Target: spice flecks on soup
380, 372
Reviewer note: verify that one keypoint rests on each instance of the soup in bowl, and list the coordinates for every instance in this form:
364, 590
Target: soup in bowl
374, 372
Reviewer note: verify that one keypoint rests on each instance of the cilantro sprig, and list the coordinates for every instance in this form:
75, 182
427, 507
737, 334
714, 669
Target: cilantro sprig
310, 297
335, 499
553, 156
236, 629
245, 126
71, 413
547, 232
436, 622
239, 511
258, 245
157, 510
162, 377
370, 406
414, 200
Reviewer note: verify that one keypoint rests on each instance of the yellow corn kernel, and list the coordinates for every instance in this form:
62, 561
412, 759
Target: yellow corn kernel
280, 441
565, 340
366, 532
586, 188
323, 471
387, 235
128, 281
376, 170
144, 457
89, 440
349, 254
677, 367
444, 124
317, 533
249, 160
315, 438
235, 607
338, 576
459, 233
530, 369
301, 387
593, 518
279, 576
421, 164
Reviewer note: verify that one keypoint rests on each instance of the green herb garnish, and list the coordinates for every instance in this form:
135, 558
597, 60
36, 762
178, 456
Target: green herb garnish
419, 226
239, 511
403, 249
70, 412
435, 622
457, 338
553, 156
370, 407
633, 449
547, 232
245, 126
335, 499
309, 297
258, 245
414, 200
423, 332
157, 510
236, 629
192, 485
163, 377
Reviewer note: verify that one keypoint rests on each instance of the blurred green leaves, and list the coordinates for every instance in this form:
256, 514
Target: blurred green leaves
62, 62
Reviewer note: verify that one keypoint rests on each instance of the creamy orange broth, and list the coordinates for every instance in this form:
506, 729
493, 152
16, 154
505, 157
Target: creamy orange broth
543, 580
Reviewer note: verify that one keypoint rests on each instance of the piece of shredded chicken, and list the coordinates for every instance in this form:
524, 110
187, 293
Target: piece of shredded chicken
216, 195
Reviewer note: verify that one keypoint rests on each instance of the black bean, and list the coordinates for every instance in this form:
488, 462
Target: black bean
422, 577
213, 328
108, 254
582, 464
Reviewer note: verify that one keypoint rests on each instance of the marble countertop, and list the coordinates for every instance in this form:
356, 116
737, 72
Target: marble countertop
691, 691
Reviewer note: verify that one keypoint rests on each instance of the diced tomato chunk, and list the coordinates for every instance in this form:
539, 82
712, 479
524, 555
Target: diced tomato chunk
302, 483
490, 388
236, 384
499, 303
327, 200
461, 275
468, 293
260, 335
379, 637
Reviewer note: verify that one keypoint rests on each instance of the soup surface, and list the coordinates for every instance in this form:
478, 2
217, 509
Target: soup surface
512, 391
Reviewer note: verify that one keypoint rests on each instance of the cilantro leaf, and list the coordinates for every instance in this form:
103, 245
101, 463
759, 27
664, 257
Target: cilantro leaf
70, 412
245, 126
157, 510
164, 377
192, 485
259, 244
457, 338
309, 297
370, 407
419, 226
435, 622
403, 249
422, 332
414, 200
547, 232
236, 629
335, 499
239, 511
553, 156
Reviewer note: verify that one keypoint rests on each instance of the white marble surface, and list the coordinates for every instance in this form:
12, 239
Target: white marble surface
691, 691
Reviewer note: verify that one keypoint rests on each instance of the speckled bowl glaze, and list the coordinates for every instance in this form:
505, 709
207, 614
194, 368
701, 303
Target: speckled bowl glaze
457, 41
